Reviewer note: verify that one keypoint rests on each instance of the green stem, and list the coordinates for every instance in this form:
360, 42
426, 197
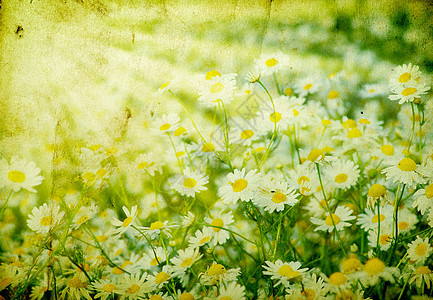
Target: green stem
5, 205
226, 132
175, 153
420, 132
329, 210
231, 231
413, 129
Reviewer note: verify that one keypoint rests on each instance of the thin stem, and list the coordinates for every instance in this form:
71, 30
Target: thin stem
175, 153
226, 132
231, 231
378, 226
6, 203
413, 129
329, 210
150, 243
420, 132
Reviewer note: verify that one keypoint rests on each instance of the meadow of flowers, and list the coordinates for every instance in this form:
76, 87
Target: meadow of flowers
289, 181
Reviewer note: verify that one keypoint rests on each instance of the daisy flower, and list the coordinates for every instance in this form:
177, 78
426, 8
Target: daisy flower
123, 226
44, 218
377, 192
240, 186
188, 219
133, 287
10, 276
268, 64
423, 199
267, 118
190, 183
421, 275
105, 288
76, 288
167, 123
217, 88
157, 227
313, 288
185, 259
243, 131
370, 219
408, 94
308, 85
283, 272
273, 195
20, 174
375, 269
201, 237
338, 282
217, 273
404, 74
374, 90
385, 238
147, 162
342, 174
84, 214
341, 215
405, 171
159, 279
232, 290
419, 250
149, 260
220, 236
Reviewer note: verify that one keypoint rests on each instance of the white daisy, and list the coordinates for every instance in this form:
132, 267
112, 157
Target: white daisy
159, 279
239, 186
269, 64
220, 236
185, 259
20, 174
408, 94
283, 272
375, 269
377, 192
423, 199
217, 88
105, 288
419, 250
166, 123
190, 183
147, 162
44, 218
404, 74
341, 215
84, 214
274, 194
217, 273
385, 238
231, 291
133, 286
157, 227
342, 174
370, 219
76, 288
201, 237
123, 226
152, 261
405, 171
420, 276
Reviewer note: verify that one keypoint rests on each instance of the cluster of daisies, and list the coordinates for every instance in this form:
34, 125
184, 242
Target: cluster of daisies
282, 191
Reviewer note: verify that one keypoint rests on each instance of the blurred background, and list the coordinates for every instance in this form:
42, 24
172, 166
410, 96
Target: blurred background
78, 71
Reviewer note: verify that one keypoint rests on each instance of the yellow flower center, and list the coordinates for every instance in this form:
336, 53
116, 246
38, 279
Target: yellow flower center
239, 185
350, 123
216, 269
207, 147
387, 150
217, 222
287, 271
142, 165
423, 270
377, 190
164, 127
216, 87
165, 84
374, 266
179, 131
101, 238
95, 147
156, 225
275, 117
351, 265
333, 95
82, 220
354, 133
189, 183
133, 289
326, 122
303, 179
328, 220
75, 282
211, 74
111, 151
409, 91
340, 178
364, 121
375, 218
405, 77
308, 86
126, 222
156, 297
180, 153
315, 154
288, 91
187, 262
155, 261
101, 173
407, 165
384, 239
204, 240
226, 298
421, 249
16, 176
246, 134
271, 62
109, 287
337, 279
295, 112
310, 294
186, 296
46, 221
403, 225
429, 191
161, 277
278, 197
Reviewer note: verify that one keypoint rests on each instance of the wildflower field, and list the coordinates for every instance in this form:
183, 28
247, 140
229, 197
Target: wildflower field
203, 150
